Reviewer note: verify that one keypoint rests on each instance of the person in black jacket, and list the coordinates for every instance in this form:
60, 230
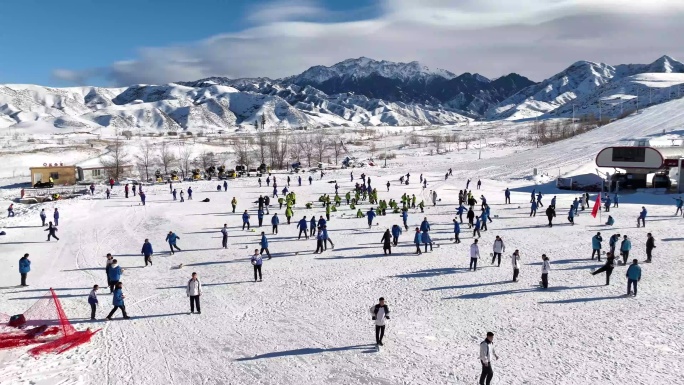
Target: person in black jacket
608, 267
650, 245
387, 242
51, 231
471, 218
551, 213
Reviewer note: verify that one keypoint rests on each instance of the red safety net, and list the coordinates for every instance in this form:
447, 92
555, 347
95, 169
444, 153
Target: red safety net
46, 326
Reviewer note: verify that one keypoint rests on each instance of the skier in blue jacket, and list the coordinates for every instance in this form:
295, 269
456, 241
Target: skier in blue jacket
118, 302
461, 209
171, 237
301, 225
275, 221
189, 193
507, 195
260, 216
633, 276
416, 240
404, 217
312, 226
533, 209
596, 246
571, 215
425, 238
553, 201
245, 220
679, 203
43, 216
457, 231
24, 268
147, 251
56, 217
264, 245
642, 217
326, 238
625, 247
370, 215
425, 225
476, 228
396, 232
114, 275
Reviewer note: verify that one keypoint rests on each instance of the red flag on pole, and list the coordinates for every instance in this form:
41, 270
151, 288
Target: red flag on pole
597, 206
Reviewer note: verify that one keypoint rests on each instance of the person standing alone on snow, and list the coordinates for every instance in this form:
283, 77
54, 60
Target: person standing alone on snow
625, 247
417, 239
224, 234
56, 217
256, 261
596, 246
264, 245
387, 242
194, 291
650, 245
24, 268
275, 221
147, 251
380, 313
474, 255
486, 353
515, 260
498, 249
457, 231
546, 267
43, 216
396, 232
633, 276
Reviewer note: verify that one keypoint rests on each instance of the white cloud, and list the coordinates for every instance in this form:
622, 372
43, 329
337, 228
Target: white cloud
536, 38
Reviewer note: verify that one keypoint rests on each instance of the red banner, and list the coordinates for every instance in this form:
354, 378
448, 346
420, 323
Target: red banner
597, 206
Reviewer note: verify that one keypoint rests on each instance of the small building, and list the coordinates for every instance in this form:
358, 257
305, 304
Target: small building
93, 170
60, 174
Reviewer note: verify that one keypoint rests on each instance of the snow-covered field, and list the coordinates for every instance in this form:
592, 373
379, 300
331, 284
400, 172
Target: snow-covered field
308, 321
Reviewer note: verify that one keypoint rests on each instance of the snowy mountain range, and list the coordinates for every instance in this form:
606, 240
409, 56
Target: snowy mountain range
355, 92
584, 84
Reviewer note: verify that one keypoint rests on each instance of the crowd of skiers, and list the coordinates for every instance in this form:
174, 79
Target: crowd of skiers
618, 245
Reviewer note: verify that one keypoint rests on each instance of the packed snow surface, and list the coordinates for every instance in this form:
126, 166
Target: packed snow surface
309, 322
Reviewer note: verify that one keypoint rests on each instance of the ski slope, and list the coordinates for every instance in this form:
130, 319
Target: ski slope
308, 321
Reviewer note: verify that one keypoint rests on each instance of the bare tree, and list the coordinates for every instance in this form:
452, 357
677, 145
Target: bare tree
205, 160
337, 147
438, 140
166, 156
115, 160
306, 148
184, 157
262, 144
283, 146
320, 144
145, 159
243, 151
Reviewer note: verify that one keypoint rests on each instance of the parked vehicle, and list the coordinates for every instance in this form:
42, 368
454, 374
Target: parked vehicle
44, 185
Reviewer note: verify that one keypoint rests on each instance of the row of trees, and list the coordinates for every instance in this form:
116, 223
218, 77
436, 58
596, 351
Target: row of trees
149, 157
277, 148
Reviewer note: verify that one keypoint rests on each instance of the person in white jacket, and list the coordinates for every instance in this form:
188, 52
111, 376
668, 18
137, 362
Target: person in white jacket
379, 313
486, 353
499, 248
194, 290
546, 267
515, 260
474, 255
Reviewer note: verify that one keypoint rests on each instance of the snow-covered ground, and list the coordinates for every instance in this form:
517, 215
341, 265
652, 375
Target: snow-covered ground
308, 322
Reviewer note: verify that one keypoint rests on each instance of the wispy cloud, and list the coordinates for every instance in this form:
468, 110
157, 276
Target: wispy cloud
534, 37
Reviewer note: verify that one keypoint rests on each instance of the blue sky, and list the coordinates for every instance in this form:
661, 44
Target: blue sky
38, 36
124, 42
